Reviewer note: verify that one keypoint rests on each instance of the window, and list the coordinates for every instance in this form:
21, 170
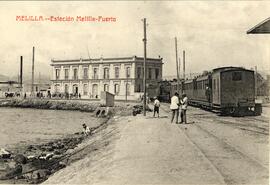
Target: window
127, 89
139, 88
116, 89
95, 72
75, 89
85, 73
85, 89
106, 73
66, 74
139, 72
128, 72
106, 87
157, 73
149, 73
57, 74
116, 70
57, 88
75, 74
236, 76
66, 88
95, 91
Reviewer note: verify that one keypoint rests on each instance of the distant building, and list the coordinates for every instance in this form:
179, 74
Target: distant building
9, 87
122, 77
37, 87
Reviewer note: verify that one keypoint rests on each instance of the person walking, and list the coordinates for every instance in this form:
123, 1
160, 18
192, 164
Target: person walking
175, 107
156, 106
184, 103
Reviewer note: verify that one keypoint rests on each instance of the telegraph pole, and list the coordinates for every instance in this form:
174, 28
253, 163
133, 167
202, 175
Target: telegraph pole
179, 71
177, 68
33, 59
184, 68
144, 68
21, 72
184, 64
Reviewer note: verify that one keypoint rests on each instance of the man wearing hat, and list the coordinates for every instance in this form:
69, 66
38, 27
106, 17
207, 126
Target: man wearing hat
184, 103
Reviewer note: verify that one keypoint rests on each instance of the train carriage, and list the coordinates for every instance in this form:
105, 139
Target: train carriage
188, 88
233, 89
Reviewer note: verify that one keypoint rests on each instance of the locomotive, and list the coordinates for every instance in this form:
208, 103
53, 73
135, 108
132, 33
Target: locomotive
230, 90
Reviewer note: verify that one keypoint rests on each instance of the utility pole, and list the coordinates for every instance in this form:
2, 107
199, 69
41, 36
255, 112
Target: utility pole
21, 72
144, 68
184, 64
177, 68
33, 59
184, 68
179, 71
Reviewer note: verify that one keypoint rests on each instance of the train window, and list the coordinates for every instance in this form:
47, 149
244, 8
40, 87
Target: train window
236, 76
214, 83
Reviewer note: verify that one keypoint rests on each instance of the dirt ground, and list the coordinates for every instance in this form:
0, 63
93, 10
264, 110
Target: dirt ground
144, 150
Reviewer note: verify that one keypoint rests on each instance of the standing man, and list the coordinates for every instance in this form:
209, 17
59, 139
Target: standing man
184, 103
175, 107
156, 106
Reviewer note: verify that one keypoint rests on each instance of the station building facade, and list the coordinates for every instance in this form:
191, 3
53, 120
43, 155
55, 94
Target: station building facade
122, 77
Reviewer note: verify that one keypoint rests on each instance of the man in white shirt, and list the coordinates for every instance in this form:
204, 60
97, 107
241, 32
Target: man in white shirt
184, 103
175, 107
86, 130
156, 106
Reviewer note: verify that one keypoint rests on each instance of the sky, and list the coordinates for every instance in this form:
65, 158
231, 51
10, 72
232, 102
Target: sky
212, 33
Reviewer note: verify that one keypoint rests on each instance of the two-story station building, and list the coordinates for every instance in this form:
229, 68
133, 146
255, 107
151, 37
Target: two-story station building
120, 76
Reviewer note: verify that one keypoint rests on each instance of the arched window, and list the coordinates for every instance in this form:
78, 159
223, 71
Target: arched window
75, 89
85, 89
85, 73
66, 88
116, 72
95, 73
75, 74
57, 74
106, 87
106, 73
116, 89
95, 90
57, 88
127, 89
128, 72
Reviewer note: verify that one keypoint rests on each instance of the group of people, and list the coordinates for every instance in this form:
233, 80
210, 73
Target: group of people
179, 105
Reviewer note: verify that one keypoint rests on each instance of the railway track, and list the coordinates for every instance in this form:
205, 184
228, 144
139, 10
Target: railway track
230, 162
234, 166
248, 124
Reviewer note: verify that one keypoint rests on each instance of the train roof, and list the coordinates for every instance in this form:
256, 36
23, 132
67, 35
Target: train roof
189, 81
222, 69
203, 77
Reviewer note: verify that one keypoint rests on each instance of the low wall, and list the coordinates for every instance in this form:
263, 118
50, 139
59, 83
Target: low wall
122, 109
50, 104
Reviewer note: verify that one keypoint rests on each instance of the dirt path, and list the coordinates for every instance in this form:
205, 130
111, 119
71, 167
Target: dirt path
146, 150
